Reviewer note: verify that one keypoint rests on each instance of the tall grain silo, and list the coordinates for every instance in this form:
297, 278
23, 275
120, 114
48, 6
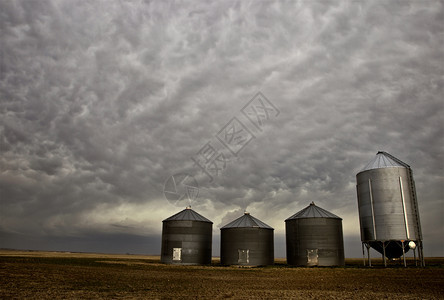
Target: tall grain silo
314, 238
247, 241
187, 239
388, 208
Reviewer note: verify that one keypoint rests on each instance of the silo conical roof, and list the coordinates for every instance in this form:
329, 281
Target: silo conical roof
247, 220
187, 215
313, 211
384, 160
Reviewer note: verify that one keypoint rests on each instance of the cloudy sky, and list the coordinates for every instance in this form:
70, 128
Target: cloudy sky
102, 101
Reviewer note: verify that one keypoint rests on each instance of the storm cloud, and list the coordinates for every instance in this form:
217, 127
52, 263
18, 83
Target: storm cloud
100, 102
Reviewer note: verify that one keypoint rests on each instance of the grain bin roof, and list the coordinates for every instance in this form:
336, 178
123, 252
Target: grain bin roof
313, 211
384, 160
187, 215
247, 221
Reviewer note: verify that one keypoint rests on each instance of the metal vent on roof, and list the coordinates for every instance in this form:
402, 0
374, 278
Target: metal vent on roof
187, 215
313, 211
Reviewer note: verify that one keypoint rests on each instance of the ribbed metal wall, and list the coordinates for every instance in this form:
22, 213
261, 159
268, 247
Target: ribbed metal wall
314, 242
194, 238
258, 242
387, 209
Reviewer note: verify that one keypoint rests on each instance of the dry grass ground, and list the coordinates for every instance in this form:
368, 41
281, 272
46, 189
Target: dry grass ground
61, 275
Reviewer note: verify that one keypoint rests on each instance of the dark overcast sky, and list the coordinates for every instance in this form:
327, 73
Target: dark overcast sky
102, 101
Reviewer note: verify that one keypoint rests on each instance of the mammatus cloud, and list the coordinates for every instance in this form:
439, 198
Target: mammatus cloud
101, 102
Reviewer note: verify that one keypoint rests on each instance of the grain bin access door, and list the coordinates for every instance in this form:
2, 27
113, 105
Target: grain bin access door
244, 256
312, 257
177, 254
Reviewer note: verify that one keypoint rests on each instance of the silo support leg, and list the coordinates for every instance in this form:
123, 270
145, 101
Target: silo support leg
368, 255
418, 247
383, 255
414, 257
421, 254
363, 253
403, 254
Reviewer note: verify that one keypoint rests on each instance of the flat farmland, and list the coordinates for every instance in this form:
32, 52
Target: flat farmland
61, 275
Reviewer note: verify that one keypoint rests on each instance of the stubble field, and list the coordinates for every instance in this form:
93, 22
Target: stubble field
60, 275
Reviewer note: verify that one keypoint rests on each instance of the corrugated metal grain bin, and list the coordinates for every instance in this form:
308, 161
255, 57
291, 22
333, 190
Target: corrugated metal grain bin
314, 238
247, 241
388, 208
187, 239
